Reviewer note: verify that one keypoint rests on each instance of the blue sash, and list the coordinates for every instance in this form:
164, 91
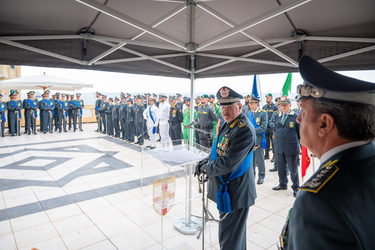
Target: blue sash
3, 119
48, 105
64, 107
222, 196
15, 106
33, 106
153, 120
263, 134
78, 105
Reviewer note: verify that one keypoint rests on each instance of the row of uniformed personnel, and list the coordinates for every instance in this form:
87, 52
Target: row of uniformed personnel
52, 111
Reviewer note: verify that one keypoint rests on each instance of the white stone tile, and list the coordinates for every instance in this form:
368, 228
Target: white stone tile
274, 222
117, 227
63, 212
135, 239
104, 214
55, 243
20, 200
7, 242
50, 193
13, 193
34, 235
262, 236
106, 245
72, 224
85, 237
5, 227
93, 204
29, 221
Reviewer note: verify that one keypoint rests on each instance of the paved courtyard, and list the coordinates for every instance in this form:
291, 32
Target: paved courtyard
85, 190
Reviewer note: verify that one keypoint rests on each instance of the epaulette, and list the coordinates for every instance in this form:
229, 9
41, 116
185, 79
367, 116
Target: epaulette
241, 123
233, 123
291, 112
320, 177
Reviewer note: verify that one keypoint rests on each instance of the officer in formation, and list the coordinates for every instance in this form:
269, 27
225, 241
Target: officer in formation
64, 106
229, 169
3, 108
102, 115
164, 108
206, 116
98, 103
77, 113
70, 99
14, 107
216, 108
272, 123
139, 121
46, 107
259, 119
175, 121
108, 113
31, 112
152, 117
130, 126
270, 108
123, 116
186, 120
287, 144
115, 117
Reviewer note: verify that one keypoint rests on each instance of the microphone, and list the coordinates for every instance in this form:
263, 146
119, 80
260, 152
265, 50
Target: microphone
192, 123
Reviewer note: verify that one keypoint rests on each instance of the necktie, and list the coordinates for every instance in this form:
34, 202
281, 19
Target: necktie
283, 119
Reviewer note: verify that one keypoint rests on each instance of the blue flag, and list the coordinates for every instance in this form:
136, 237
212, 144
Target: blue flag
255, 88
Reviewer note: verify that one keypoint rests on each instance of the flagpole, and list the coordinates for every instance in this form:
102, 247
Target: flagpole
260, 91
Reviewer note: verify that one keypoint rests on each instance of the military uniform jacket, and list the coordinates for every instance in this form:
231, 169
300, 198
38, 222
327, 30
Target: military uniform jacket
175, 115
78, 104
154, 111
103, 107
270, 109
115, 110
46, 105
336, 207
3, 108
122, 111
235, 141
206, 115
26, 104
287, 135
130, 113
261, 119
98, 103
15, 105
139, 113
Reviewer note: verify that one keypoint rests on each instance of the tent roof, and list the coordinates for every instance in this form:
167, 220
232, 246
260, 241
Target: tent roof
160, 37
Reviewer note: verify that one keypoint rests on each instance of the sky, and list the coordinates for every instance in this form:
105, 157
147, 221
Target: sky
109, 82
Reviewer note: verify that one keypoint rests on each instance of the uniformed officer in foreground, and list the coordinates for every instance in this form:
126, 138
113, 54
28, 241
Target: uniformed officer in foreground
3, 108
229, 168
30, 105
335, 208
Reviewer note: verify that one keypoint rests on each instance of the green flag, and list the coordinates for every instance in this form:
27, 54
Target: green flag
286, 90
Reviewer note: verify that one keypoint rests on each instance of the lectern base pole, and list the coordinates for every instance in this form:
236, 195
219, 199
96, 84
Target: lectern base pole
190, 229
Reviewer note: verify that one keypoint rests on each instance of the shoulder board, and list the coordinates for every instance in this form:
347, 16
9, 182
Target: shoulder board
320, 177
275, 111
241, 123
233, 123
291, 112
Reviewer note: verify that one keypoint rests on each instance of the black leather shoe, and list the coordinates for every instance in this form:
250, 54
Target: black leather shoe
260, 181
273, 170
295, 192
277, 188
152, 147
